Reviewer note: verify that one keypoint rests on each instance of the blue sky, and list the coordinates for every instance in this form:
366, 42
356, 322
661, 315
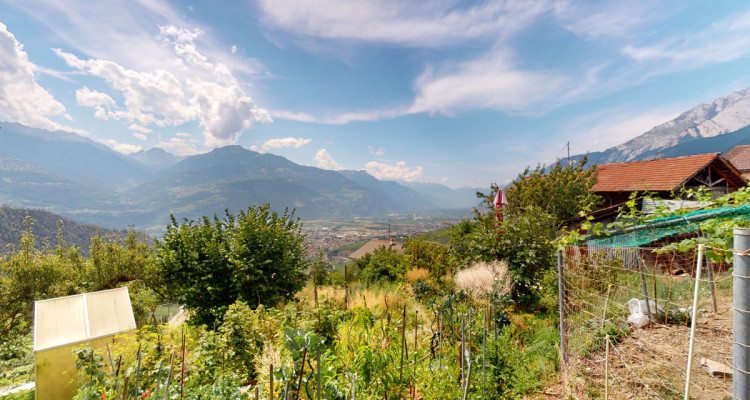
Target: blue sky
459, 93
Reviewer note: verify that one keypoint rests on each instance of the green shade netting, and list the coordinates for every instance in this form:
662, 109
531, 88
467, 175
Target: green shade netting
668, 226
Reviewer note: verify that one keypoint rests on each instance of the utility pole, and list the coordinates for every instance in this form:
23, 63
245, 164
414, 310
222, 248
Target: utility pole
568, 145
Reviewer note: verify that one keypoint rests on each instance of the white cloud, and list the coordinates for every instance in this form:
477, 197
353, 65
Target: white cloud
193, 89
224, 112
146, 94
139, 136
138, 128
378, 153
606, 18
92, 98
123, 148
722, 41
425, 23
394, 172
234, 49
285, 142
325, 160
613, 127
21, 98
341, 118
180, 146
491, 82
255, 148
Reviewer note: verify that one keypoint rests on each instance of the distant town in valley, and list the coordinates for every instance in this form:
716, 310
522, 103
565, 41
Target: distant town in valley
328, 236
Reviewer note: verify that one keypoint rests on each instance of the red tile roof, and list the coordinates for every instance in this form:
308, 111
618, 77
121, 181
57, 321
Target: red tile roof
656, 175
739, 156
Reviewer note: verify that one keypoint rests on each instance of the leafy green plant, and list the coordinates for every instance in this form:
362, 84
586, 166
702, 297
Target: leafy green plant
257, 256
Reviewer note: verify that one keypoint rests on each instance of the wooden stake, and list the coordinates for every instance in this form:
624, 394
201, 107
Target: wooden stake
346, 288
645, 292
270, 375
125, 388
711, 282
301, 371
604, 311
315, 287
137, 372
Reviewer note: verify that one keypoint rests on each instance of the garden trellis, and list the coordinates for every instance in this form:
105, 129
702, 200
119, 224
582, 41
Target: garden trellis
627, 244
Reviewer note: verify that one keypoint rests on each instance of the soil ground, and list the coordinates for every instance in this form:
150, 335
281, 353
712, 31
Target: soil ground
651, 362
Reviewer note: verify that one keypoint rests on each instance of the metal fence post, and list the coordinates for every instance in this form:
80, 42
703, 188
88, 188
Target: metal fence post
698, 268
561, 305
741, 316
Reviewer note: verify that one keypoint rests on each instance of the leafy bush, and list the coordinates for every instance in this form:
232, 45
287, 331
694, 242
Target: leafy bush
382, 266
256, 256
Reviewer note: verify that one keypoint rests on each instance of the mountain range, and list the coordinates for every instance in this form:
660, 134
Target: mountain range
87, 181
84, 180
707, 128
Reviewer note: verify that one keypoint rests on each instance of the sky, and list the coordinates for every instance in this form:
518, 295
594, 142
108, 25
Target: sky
452, 92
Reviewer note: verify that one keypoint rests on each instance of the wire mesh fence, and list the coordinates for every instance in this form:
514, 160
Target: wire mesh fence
606, 289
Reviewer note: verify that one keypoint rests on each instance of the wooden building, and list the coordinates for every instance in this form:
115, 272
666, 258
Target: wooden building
739, 156
616, 182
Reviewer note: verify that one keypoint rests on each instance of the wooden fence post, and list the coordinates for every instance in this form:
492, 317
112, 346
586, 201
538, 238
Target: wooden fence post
645, 291
270, 387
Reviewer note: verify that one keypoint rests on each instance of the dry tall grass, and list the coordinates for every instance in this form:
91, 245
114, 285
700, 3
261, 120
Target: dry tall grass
271, 355
373, 297
481, 278
417, 275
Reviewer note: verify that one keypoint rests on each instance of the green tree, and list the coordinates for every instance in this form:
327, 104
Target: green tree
382, 265
257, 256
561, 191
30, 274
541, 203
320, 269
419, 253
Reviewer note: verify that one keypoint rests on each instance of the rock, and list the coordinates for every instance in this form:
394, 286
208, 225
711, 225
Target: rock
716, 369
639, 312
